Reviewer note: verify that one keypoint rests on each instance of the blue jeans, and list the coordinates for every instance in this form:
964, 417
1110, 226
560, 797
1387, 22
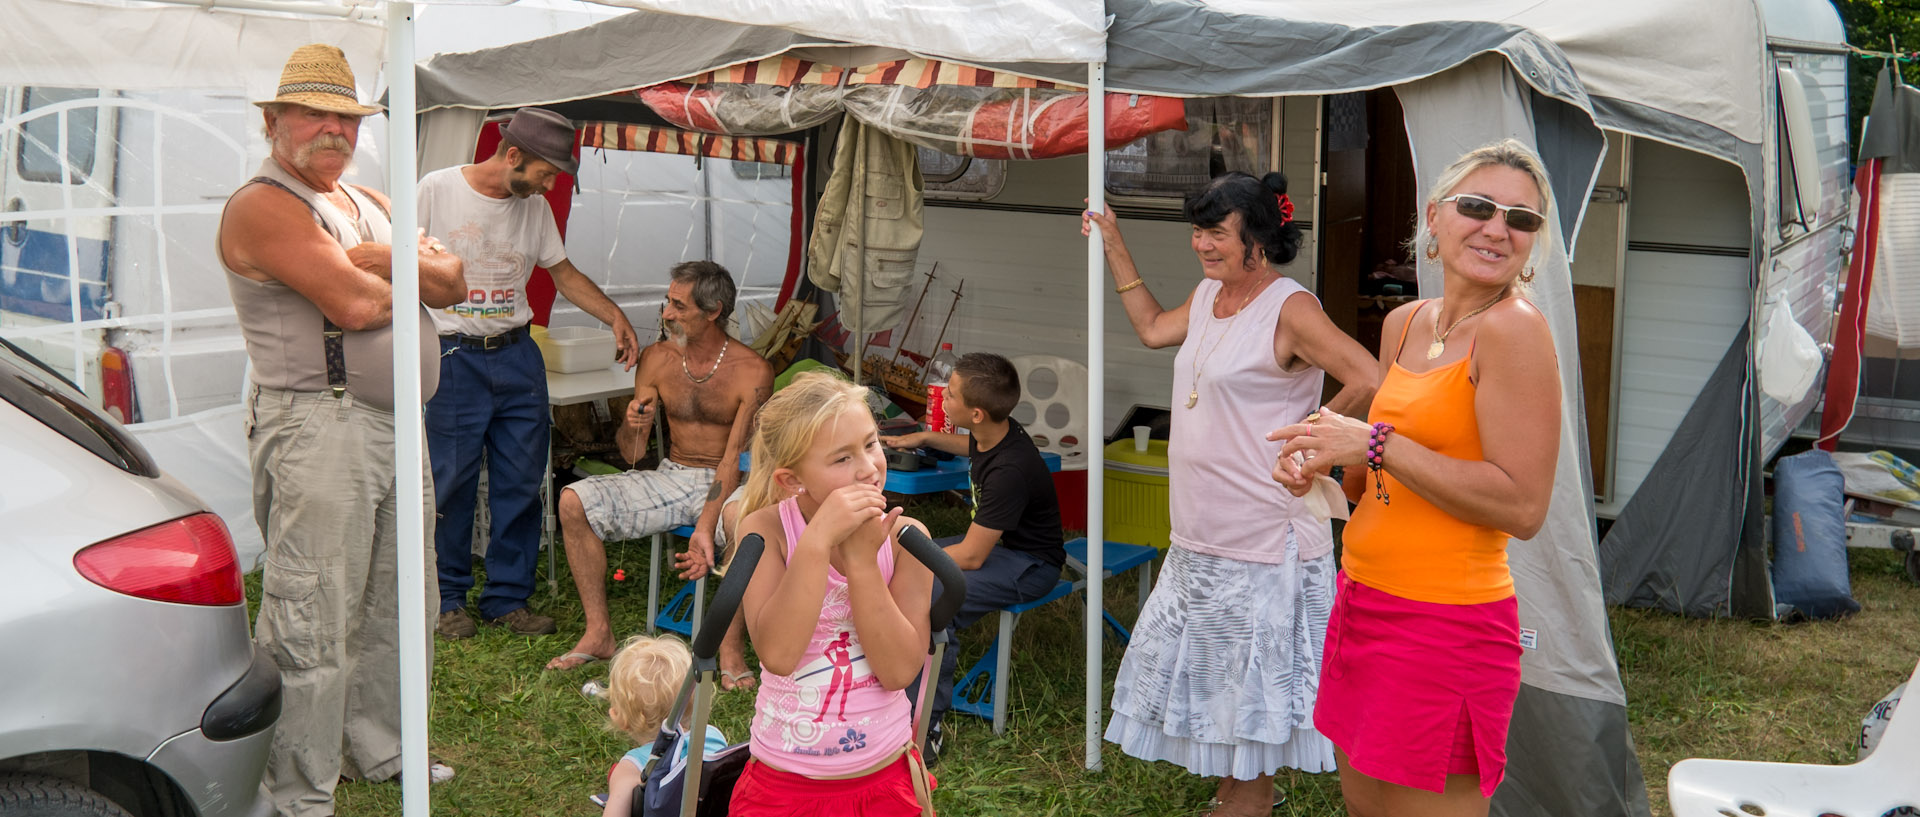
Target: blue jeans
1006, 578
492, 402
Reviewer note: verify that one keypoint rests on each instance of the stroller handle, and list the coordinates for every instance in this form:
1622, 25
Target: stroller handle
952, 581
726, 602
733, 589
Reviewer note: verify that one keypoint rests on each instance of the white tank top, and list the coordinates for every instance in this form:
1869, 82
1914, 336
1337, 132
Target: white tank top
1223, 499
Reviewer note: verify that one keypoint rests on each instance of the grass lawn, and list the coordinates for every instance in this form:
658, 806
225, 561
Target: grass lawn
526, 741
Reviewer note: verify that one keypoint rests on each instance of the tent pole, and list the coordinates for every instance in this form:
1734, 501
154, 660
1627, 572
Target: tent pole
1096, 399
410, 483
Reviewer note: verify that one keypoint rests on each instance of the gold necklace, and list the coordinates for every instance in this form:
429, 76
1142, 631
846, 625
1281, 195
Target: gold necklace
1439, 344
710, 372
1193, 396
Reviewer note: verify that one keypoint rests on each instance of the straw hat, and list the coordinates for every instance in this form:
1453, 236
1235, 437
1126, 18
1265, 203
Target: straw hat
318, 76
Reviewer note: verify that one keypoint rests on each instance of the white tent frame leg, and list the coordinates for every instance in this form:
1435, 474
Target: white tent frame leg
407, 426
1096, 398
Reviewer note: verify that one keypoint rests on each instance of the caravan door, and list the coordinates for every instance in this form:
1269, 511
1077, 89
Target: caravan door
59, 178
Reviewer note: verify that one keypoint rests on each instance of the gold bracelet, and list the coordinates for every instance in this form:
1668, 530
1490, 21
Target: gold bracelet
1130, 286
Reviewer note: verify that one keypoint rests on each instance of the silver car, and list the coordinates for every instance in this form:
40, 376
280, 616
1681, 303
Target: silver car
129, 684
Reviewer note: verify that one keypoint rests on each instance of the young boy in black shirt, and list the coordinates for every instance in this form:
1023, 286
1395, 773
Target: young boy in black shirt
1013, 550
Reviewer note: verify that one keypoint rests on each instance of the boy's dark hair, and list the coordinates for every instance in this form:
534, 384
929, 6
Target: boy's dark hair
991, 384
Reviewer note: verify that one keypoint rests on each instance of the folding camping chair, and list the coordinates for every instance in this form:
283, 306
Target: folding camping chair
703, 788
1879, 785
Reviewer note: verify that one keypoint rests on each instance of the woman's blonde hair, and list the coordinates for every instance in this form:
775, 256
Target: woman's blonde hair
643, 679
1509, 153
786, 426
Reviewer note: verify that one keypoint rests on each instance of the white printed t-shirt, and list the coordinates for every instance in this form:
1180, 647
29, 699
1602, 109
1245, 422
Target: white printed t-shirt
499, 242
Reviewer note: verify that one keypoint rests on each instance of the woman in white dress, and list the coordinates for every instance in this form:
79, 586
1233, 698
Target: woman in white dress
1220, 675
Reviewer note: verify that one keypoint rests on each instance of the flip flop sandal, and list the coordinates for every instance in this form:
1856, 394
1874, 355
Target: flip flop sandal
733, 680
584, 658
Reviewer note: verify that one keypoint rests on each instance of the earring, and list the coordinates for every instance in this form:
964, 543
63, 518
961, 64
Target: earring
1527, 276
1432, 251
800, 490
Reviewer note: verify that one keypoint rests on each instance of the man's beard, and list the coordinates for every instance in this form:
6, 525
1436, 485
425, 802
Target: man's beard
675, 332
521, 188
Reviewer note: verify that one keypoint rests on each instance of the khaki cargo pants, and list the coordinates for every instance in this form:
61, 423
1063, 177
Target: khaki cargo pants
323, 494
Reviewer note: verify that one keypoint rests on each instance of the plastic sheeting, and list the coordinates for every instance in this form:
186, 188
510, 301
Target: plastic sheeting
986, 123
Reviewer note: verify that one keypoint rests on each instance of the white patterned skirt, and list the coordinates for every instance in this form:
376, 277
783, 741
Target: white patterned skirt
1224, 664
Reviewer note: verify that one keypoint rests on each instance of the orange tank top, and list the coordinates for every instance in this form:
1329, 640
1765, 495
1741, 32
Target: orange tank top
1407, 546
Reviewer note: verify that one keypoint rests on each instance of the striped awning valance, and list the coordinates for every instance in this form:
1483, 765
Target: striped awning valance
656, 139
916, 73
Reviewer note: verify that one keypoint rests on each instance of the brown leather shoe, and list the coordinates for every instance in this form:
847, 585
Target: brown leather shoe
455, 625
525, 622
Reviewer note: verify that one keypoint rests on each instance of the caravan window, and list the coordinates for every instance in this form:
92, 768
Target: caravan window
1798, 154
961, 178
1223, 134
39, 157
755, 171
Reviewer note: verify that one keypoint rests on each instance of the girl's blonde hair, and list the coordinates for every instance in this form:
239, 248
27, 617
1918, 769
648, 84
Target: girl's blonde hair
1509, 153
643, 679
786, 427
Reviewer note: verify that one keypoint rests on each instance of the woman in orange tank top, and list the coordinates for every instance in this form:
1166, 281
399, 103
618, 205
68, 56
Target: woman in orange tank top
1455, 459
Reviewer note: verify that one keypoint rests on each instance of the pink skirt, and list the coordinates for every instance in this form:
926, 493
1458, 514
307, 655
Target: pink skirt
1413, 691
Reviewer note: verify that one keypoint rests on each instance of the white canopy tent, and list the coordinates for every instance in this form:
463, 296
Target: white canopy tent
210, 43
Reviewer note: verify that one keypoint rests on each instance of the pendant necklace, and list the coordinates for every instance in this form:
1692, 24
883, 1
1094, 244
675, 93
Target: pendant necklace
710, 372
1193, 396
1439, 344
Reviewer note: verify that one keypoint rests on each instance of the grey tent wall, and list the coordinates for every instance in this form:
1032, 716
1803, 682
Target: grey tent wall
1541, 781
1690, 542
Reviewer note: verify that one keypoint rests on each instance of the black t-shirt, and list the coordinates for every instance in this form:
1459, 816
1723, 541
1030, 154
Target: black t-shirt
1013, 493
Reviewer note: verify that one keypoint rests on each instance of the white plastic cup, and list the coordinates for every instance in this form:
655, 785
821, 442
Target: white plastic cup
1140, 437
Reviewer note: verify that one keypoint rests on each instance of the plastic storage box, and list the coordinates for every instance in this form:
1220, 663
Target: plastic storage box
570, 349
1136, 490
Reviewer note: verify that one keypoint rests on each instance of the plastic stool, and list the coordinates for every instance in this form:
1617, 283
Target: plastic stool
1878, 785
982, 691
1117, 558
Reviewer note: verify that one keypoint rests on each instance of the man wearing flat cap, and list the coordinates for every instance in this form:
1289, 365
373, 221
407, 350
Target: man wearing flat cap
493, 386
308, 262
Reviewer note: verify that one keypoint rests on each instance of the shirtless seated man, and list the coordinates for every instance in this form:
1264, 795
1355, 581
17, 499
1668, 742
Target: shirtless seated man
710, 385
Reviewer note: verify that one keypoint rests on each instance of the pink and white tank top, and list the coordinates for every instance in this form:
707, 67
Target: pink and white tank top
830, 717
1222, 497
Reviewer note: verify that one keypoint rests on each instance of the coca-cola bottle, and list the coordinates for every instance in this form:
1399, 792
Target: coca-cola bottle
938, 370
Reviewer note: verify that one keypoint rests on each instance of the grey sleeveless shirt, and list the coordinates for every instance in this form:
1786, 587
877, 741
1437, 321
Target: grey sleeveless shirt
282, 328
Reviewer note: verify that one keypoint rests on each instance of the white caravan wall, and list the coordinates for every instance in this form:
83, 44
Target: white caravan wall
1806, 269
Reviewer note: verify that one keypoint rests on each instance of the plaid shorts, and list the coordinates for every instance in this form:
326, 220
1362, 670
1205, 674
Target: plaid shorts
633, 504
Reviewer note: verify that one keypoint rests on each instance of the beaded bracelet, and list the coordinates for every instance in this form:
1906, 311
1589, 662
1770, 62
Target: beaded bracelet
1376, 453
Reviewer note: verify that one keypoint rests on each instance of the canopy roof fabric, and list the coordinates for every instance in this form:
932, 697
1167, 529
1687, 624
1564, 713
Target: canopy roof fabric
1068, 31
1690, 74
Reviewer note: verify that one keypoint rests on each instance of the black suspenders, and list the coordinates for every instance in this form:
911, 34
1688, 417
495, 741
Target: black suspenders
332, 338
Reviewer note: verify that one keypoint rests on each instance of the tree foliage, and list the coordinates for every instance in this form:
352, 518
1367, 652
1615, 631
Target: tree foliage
1877, 25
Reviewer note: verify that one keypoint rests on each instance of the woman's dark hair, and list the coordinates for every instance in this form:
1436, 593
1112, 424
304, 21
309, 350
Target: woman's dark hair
1258, 203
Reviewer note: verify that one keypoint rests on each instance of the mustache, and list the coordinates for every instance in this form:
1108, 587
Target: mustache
322, 142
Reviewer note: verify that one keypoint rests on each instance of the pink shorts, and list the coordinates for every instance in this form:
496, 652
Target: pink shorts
1413, 691
764, 791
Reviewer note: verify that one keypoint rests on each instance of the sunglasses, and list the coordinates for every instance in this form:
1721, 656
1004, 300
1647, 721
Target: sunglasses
1481, 208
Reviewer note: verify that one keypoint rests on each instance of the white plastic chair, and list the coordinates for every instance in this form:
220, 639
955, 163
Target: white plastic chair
1883, 782
1053, 395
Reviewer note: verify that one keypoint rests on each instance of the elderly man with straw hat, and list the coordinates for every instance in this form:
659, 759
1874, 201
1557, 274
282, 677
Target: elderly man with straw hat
308, 262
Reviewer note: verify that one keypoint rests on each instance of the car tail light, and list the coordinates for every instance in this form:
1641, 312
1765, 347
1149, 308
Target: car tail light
116, 384
189, 560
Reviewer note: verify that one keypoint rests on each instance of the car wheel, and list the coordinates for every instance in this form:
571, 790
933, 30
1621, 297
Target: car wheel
41, 796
